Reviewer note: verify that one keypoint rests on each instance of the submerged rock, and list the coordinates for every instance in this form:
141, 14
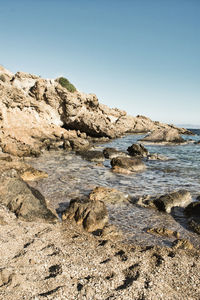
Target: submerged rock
166, 135
27, 203
156, 156
95, 155
108, 195
127, 165
110, 153
138, 150
92, 215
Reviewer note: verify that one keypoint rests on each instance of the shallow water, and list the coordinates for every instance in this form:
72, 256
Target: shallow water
71, 176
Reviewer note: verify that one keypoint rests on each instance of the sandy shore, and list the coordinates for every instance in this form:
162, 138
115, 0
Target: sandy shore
61, 261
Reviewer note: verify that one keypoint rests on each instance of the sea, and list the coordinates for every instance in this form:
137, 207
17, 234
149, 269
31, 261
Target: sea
70, 176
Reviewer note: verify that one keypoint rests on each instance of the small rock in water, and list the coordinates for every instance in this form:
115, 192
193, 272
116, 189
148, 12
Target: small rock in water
165, 202
138, 150
156, 156
127, 165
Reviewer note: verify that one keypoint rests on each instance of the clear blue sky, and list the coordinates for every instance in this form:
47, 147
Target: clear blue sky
139, 55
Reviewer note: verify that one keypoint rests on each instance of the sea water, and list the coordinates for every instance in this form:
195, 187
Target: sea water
70, 176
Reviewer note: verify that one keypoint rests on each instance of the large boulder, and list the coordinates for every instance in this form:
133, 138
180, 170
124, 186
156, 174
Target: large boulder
91, 215
127, 165
26, 202
166, 135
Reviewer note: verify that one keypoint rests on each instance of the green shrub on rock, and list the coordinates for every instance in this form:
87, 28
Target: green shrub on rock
2, 78
66, 84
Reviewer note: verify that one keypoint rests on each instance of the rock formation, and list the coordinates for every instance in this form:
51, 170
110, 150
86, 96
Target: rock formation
164, 135
37, 113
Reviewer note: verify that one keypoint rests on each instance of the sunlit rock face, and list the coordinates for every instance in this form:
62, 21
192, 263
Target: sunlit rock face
36, 113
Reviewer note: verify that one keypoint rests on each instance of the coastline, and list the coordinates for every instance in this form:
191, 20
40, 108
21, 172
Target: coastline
44, 257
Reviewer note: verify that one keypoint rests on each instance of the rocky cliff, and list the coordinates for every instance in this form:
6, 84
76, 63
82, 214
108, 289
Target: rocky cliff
37, 113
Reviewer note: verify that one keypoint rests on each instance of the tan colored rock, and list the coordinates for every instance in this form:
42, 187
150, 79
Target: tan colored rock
183, 244
164, 232
33, 108
92, 215
108, 195
166, 135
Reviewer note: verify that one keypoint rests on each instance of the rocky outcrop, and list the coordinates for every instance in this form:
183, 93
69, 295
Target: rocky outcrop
37, 113
166, 135
27, 203
127, 165
91, 215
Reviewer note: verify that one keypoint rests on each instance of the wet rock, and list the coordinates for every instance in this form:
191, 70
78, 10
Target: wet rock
92, 215
169, 135
193, 208
156, 156
197, 143
127, 165
96, 156
163, 232
31, 174
108, 195
165, 202
194, 224
24, 170
193, 212
110, 153
27, 203
138, 150
182, 244
79, 144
